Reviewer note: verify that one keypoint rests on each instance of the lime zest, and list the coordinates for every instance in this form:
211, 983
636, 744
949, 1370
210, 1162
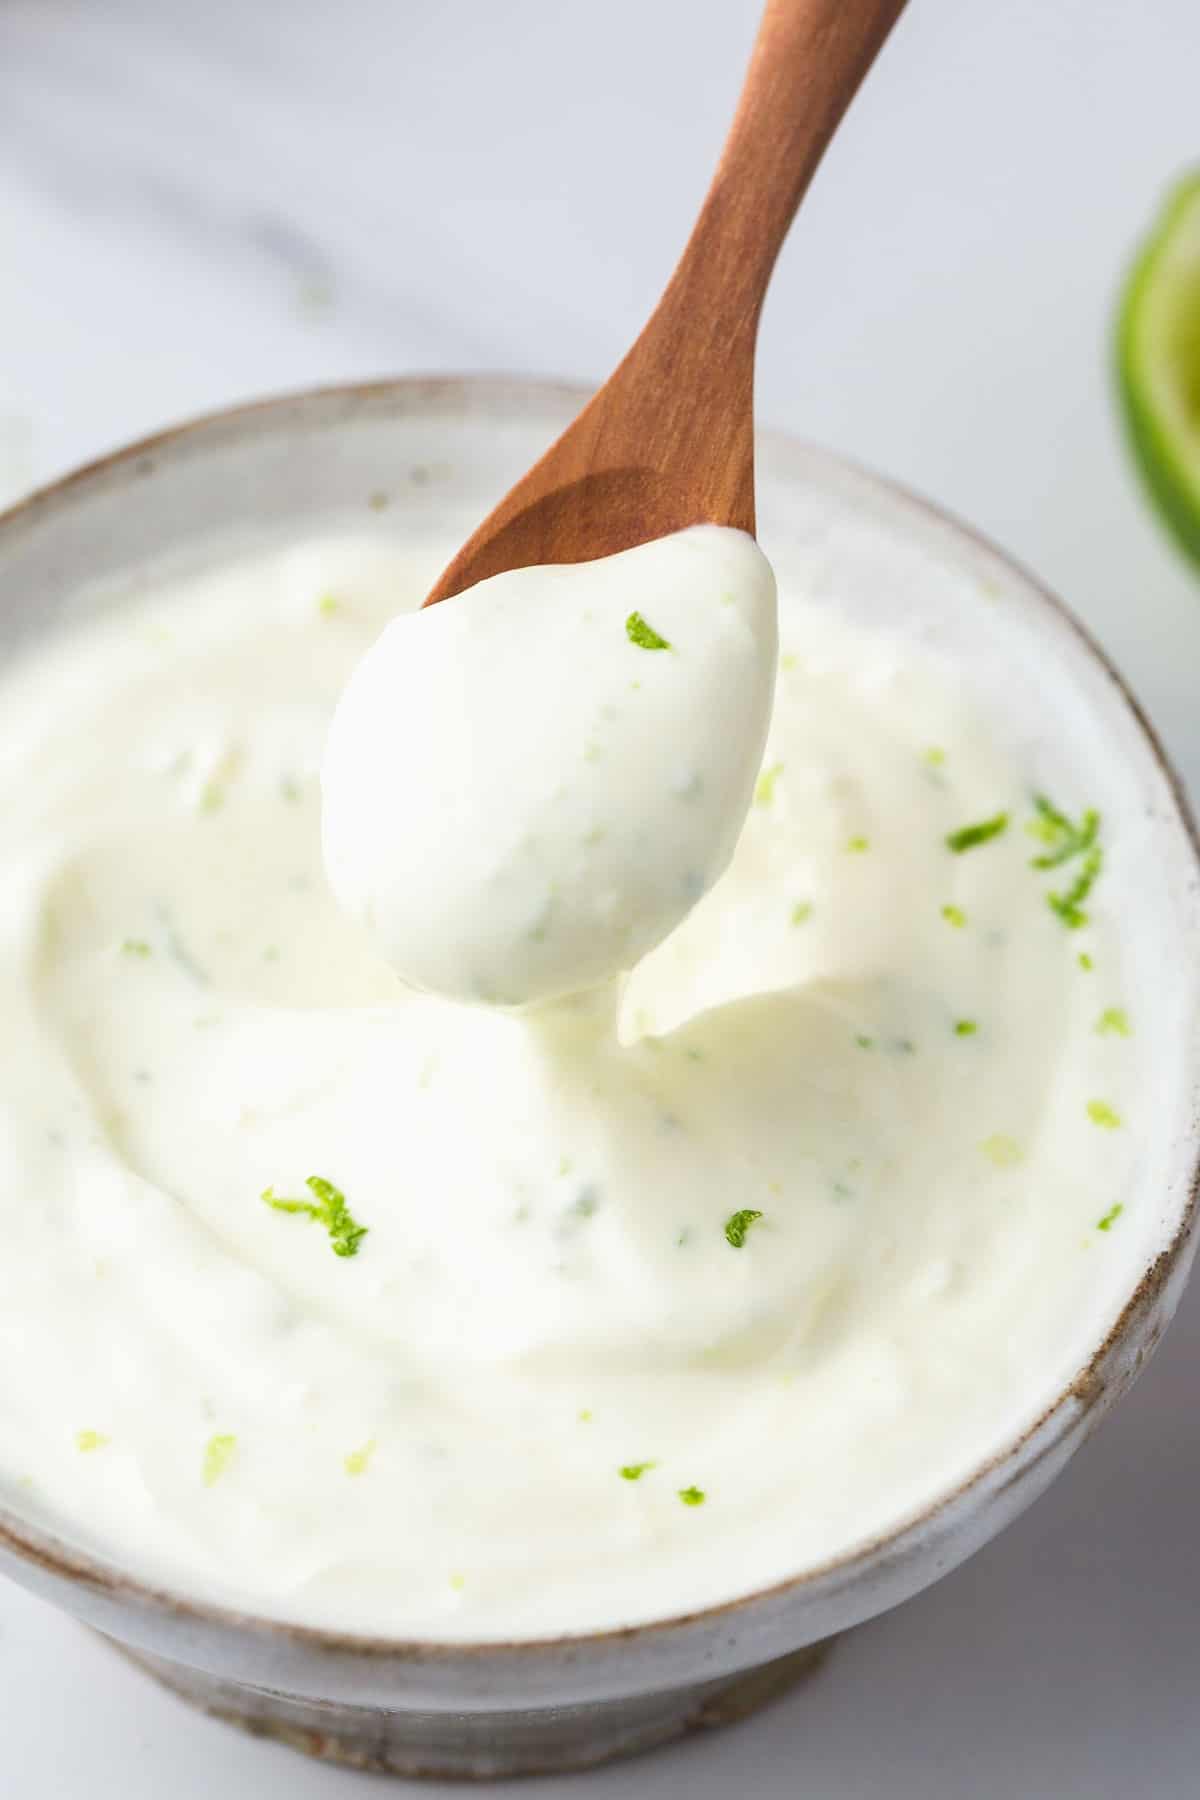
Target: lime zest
328, 1208
954, 915
1062, 836
644, 635
635, 1471
692, 1496
219, 1452
970, 837
738, 1224
1066, 839
1110, 1218
1114, 1021
764, 787
965, 1027
1101, 1113
87, 1441
1069, 906
358, 1461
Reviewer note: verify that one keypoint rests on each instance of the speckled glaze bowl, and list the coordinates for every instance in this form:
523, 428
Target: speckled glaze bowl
437, 454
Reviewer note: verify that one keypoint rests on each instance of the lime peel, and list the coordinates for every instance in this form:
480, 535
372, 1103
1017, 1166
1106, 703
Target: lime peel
1158, 362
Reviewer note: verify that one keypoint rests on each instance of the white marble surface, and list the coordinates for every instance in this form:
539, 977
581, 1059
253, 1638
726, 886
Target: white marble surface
202, 203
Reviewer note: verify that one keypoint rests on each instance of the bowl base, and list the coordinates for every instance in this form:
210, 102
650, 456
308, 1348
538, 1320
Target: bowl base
485, 1746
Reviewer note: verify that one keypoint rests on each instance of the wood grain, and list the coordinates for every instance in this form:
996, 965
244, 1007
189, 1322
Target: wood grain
669, 440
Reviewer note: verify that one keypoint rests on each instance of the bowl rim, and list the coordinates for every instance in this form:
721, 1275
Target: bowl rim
1089, 1388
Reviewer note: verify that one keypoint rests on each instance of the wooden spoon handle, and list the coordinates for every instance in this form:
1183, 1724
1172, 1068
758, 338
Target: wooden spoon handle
689, 378
669, 439
806, 65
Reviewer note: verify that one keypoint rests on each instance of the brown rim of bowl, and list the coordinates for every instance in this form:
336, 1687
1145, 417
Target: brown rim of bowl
1087, 1388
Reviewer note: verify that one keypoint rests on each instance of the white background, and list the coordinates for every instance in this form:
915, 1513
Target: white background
199, 203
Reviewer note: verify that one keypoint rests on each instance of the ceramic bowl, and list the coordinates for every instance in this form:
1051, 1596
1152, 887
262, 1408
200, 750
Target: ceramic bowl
434, 455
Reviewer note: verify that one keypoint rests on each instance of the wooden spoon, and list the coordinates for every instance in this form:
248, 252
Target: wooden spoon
669, 439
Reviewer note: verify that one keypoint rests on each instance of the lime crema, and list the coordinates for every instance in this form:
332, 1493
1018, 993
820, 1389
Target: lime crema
777, 1167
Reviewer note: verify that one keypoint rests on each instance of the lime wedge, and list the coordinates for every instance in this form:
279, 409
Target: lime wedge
1158, 362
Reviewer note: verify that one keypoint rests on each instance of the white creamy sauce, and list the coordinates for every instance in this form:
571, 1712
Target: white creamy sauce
528, 790
525, 1370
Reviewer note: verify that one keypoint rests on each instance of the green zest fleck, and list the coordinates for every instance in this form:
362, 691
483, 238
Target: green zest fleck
356, 1462
635, 1471
935, 756
764, 787
864, 1042
1064, 840
1104, 1115
643, 635
585, 1417
212, 796
954, 915
856, 845
1085, 961
965, 1027
801, 912
1069, 905
692, 1496
458, 1583
135, 947
218, 1454
1001, 1150
1114, 1020
969, 837
328, 605
328, 1207
88, 1441
738, 1224
1110, 1218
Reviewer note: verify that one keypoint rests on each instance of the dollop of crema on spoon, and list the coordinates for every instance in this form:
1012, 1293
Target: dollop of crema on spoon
529, 786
